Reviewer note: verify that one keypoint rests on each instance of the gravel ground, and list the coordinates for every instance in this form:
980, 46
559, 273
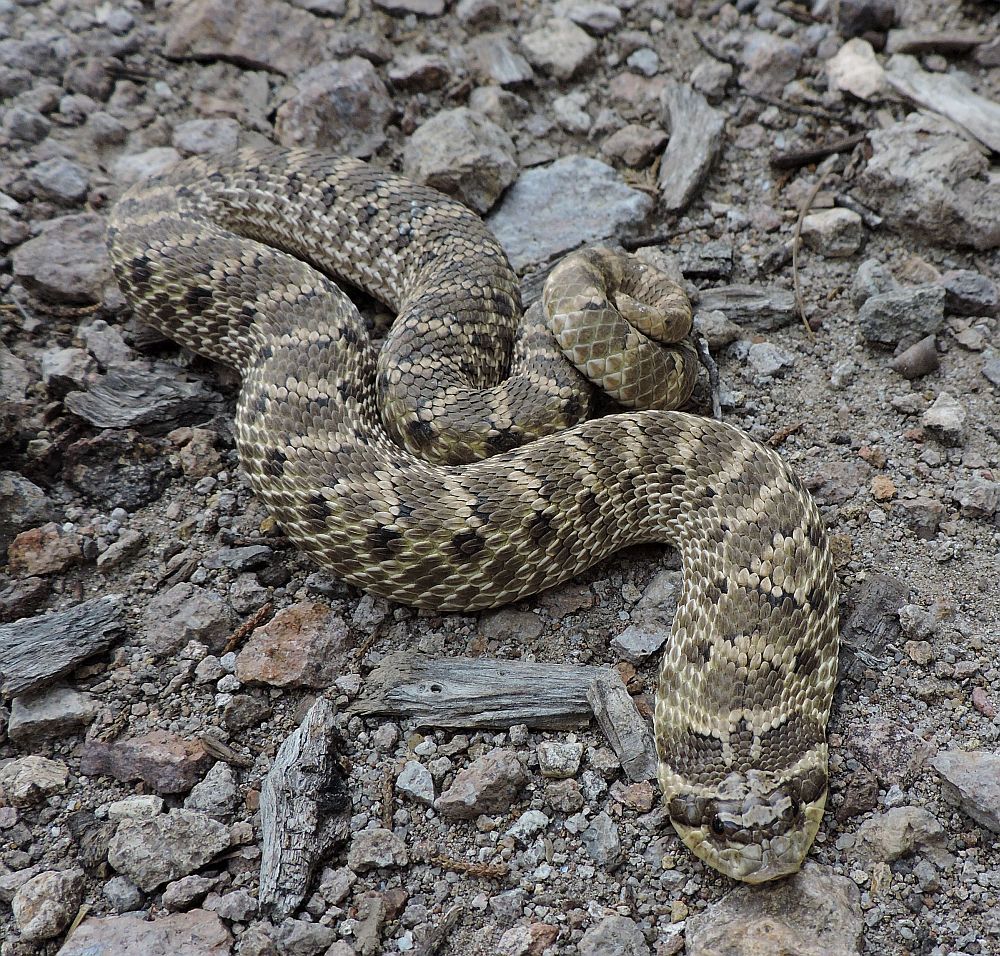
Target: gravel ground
118, 474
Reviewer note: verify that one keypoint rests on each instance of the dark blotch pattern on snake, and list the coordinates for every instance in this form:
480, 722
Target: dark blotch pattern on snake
455, 470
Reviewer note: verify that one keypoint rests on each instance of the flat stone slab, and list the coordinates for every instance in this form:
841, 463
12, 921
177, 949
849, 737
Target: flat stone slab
567, 204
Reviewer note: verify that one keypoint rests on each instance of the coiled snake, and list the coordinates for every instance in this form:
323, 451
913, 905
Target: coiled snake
454, 469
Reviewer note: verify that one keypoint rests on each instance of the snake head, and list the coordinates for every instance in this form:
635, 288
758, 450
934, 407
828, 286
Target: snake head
752, 827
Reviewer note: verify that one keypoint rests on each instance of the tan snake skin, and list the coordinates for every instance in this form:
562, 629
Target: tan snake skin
228, 258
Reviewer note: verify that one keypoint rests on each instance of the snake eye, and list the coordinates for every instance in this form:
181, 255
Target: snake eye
717, 826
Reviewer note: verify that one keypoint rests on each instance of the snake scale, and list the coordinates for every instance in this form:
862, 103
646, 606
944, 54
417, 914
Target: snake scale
455, 469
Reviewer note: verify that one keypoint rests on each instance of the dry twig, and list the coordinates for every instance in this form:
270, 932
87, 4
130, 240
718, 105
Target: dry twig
248, 626
796, 242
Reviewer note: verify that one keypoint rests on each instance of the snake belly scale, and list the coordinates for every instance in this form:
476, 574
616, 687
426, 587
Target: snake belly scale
455, 469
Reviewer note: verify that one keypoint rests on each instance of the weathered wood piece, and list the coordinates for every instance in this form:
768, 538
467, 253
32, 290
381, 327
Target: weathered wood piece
305, 809
476, 692
765, 308
945, 41
872, 624
140, 395
629, 735
36, 650
944, 94
695, 137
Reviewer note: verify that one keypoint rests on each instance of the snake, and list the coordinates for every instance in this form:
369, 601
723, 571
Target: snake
460, 465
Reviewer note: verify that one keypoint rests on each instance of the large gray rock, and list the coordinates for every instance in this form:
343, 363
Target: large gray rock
463, 154
569, 203
341, 105
972, 781
813, 913
926, 178
50, 712
153, 851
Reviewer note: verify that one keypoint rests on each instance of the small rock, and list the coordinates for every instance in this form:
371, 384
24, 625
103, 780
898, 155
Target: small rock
25, 125
371, 849
182, 894
197, 933
570, 112
303, 645
342, 104
154, 851
771, 62
560, 48
602, 842
186, 613
487, 785
131, 168
946, 419
641, 639
969, 293
904, 315
419, 73
923, 516
297, 937
813, 911
416, 781
835, 233
216, 794
614, 936
44, 906
559, 759
531, 940
856, 70
122, 894
644, 61
166, 762
60, 180
893, 753
464, 155
711, 77
493, 60
564, 796
237, 906
199, 137
105, 343
572, 202
142, 806
423, 8
855, 18
872, 278
45, 550
527, 825
978, 497
478, 13
971, 780
22, 505
767, 361
899, 832
634, 145
595, 17
51, 712
918, 360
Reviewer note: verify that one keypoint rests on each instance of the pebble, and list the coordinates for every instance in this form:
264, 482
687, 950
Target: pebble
488, 785
415, 781
424, 8
184, 893
44, 906
44, 550
978, 497
641, 639
559, 759
371, 849
602, 842
142, 806
836, 233
770, 62
527, 825
570, 113
971, 780
635, 145
872, 278
184, 934
479, 13
51, 712
858, 17
154, 851
644, 61
899, 832
132, 167
711, 77
560, 48
342, 105
463, 154
595, 17
571, 202
614, 936
303, 645
918, 360
946, 419
767, 361
216, 793
122, 894
923, 516
902, 315
419, 73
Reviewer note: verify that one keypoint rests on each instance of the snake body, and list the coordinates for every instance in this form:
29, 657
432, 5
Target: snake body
454, 469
